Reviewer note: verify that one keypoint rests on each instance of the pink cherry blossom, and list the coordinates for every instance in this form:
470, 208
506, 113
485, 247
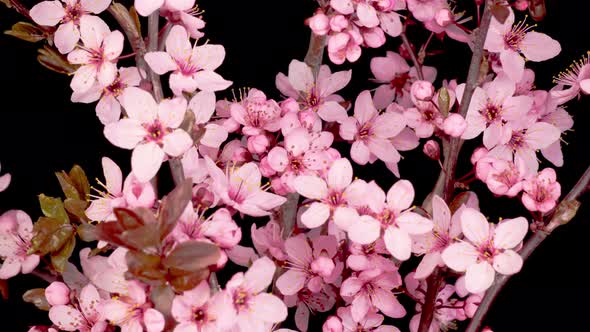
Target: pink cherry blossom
4, 181
256, 113
506, 177
196, 310
576, 77
454, 125
16, 232
98, 57
371, 322
269, 239
425, 10
190, 19
432, 149
239, 187
254, 307
345, 45
512, 41
106, 273
71, 16
151, 131
367, 256
218, 228
371, 131
371, 289
146, 7
192, 67
211, 134
133, 312
426, 117
315, 94
308, 302
488, 249
541, 191
307, 267
82, 315
57, 293
108, 108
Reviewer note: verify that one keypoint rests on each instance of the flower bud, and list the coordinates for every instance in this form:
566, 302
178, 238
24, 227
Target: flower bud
319, 24
338, 23
385, 5
471, 305
422, 90
478, 154
57, 293
258, 144
444, 17
487, 329
432, 149
323, 266
289, 105
454, 125
521, 5
332, 324
279, 187
265, 168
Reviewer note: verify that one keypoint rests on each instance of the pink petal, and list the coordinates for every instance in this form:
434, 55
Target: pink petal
342, 6
414, 224
203, 106
508, 262
384, 150
108, 110
154, 320
539, 47
208, 80
177, 142
301, 317
398, 243
340, 174
278, 158
113, 45
479, 277
364, 110
541, 134
360, 306
401, 195
310, 186
316, 215
332, 111
66, 37
208, 56
428, 263
66, 317
95, 6
475, 226
266, 200
214, 136
180, 5
360, 153
391, 23
334, 82
365, 230
89, 300
48, 13
160, 62
459, 256
291, 282
387, 303
146, 160
284, 86
106, 73
510, 232
5, 181
300, 76
84, 78
259, 275
441, 214
180, 83
146, 7
10, 268
384, 95
30, 263
512, 64
345, 216
126, 133
139, 104
388, 125
585, 86
93, 31
367, 15
171, 112
268, 308
113, 176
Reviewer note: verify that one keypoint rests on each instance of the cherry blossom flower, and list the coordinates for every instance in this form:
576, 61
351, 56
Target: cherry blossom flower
190, 19
506, 177
211, 134
239, 187
108, 108
345, 45
577, 77
132, 312
425, 10
192, 67
308, 302
269, 238
82, 315
487, 251
315, 94
309, 267
256, 113
218, 228
371, 131
71, 16
16, 232
196, 310
513, 40
151, 131
98, 56
371, 289
367, 256
4, 181
541, 191
371, 322
255, 309
146, 7
106, 273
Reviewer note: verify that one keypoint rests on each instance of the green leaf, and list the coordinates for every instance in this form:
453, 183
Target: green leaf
80, 181
192, 256
51, 59
444, 101
172, 207
60, 258
53, 208
36, 296
27, 32
50, 235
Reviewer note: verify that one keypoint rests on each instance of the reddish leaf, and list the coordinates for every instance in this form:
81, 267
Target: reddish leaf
51, 59
77, 209
50, 235
537, 9
144, 266
172, 207
27, 32
127, 218
192, 256
87, 232
36, 296
60, 258
4, 289
500, 12
80, 181
188, 281
67, 186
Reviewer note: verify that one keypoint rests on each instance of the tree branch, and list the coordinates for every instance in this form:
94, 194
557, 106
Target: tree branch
153, 30
408, 47
565, 211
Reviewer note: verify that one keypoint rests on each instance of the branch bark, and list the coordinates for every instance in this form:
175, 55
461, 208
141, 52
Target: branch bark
408, 47
153, 30
565, 211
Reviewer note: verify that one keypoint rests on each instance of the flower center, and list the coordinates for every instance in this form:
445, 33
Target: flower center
399, 82
491, 112
517, 140
515, 36
73, 13
487, 252
156, 132
116, 88
199, 315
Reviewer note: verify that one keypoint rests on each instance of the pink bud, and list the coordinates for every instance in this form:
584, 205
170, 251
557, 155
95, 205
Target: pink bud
471, 305
487, 329
57, 293
432, 149
241, 154
374, 37
323, 266
444, 17
422, 90
289, 105
332, 324
385, 5
319, 24
478, 154
338, 23
454, 125
279, 187
265, 168
521, 5
258, 144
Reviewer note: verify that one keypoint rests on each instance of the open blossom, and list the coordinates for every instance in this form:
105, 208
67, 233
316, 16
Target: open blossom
211, 135
307, 266
4, 181
82, 315
425, 10
218, 228
371, 289
316, 95
372, 322
146, 7
189, 18
71, 14
118, 194
16, 232
308, 302
151, 131
98, 58
541, 191
269, 238
425, 116
133, 311
239, 187
108, 108
576, 78
192, 67
488, 249
197, 311
512, 41
256, 310
506, 177
256, 113
371, 131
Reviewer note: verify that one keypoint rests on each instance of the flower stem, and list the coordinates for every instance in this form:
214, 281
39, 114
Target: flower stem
153, 30
408, 47
565, 211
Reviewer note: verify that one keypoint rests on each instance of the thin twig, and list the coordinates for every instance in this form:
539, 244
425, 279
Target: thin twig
153, 30
564, 212
408, 47
44, 275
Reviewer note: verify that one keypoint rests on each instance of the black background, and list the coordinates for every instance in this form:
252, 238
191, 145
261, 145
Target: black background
41, 132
